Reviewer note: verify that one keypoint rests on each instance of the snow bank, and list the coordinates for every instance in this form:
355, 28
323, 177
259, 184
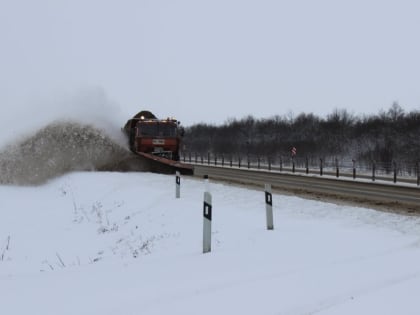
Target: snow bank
109, 243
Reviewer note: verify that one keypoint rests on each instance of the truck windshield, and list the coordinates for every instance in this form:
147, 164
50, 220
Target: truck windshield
157, 129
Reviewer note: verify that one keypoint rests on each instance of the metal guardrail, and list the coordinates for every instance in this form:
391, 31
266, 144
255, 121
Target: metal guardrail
394, 172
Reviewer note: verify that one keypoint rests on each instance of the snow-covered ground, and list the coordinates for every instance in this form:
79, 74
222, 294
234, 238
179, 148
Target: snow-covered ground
113, 243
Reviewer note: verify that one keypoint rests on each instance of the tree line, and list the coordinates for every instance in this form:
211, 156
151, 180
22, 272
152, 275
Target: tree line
391, 135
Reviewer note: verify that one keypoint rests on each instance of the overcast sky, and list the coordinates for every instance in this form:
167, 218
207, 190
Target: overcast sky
206, 61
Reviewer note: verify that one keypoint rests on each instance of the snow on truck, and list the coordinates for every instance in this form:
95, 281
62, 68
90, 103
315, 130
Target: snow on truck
148, 134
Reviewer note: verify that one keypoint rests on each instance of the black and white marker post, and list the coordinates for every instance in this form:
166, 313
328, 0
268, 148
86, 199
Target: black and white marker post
269, 207
207, 209
177, 185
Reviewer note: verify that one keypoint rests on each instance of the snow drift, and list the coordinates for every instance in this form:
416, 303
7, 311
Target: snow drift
121, 243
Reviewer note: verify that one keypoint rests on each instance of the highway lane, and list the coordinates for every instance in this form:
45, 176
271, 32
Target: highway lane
386, 193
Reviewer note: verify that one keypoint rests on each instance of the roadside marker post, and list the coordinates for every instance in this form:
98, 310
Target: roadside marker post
207, 216
177, 185
269, 207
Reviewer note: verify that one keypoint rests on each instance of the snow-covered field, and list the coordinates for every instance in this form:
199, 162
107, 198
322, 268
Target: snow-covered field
113, 243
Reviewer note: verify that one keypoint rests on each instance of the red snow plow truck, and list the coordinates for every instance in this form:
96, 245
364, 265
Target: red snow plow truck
148, 134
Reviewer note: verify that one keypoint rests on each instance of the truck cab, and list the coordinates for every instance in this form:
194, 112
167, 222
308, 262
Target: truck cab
161, 137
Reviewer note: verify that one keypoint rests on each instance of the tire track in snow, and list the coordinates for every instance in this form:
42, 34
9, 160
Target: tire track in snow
351, 295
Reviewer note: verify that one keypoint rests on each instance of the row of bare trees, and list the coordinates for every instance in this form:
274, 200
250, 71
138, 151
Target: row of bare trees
389, 136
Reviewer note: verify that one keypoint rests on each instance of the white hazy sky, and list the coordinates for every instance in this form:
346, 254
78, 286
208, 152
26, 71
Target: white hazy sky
206, 61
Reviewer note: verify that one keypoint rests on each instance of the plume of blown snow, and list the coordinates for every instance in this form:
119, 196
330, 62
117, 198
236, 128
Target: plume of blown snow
78, 132
62, 147
88, 106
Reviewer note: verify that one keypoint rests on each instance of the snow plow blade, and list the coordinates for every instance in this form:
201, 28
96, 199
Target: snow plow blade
162, 165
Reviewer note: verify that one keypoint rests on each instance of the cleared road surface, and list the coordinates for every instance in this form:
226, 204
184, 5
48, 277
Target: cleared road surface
406, 196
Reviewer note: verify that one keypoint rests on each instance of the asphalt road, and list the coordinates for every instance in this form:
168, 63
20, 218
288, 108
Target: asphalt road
380, 193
